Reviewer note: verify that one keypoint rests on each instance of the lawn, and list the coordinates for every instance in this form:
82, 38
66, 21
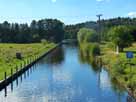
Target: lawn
8, 52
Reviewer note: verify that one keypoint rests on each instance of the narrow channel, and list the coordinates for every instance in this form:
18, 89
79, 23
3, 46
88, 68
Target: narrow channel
63, 76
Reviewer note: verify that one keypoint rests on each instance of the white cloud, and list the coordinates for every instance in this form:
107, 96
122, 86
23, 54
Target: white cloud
54, 1
132, 14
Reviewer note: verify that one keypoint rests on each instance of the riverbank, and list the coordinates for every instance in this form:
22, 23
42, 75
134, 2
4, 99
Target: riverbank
118, 67
29, 52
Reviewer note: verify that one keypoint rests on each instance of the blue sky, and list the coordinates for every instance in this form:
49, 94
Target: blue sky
69, 11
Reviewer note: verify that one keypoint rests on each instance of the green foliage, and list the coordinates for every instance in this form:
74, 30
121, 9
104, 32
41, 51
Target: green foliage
111, 45
72, 30
87, 35
121, 36
44, 41
90, 49
49, 29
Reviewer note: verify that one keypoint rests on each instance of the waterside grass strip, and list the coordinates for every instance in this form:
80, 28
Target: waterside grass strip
15, 75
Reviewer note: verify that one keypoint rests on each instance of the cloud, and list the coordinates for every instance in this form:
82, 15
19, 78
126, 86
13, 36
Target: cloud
132, 14
54, 1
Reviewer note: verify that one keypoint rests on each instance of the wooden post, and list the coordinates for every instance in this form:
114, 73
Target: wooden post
12, 73
5, 76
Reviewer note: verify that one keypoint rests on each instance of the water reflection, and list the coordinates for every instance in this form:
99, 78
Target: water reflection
92, 61
96, 64
57, 57
61, 77
5, 90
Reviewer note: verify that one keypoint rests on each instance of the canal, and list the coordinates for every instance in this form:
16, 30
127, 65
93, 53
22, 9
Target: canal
63, 76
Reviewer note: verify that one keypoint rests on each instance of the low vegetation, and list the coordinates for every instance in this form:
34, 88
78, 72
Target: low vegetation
8, 52
88, 39
119, 67
112, 52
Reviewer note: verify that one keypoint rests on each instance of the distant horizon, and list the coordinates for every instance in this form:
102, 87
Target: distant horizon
28, 22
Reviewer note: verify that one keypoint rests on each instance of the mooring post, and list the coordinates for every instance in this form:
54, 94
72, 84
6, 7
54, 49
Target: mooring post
5, 76
12, 73
29, 60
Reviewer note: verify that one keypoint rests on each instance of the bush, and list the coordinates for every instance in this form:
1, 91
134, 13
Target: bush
44, 41
86, 35
90, 49
94, 49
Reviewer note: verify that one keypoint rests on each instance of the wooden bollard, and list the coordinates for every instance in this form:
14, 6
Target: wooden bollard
5, 77
11, 73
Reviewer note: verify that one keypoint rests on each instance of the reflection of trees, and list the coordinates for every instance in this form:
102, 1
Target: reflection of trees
91, 60
56, 57
96, 64
116, 86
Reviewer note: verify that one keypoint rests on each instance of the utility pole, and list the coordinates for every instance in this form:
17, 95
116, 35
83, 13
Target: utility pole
99, 29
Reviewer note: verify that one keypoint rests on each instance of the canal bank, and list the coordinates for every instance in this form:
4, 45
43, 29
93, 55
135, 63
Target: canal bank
64, 76
110, 61
13, 76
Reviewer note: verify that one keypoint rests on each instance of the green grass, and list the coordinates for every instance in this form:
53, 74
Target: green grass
8, 52
116, 64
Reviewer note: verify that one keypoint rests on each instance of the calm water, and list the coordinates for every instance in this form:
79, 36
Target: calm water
63, 76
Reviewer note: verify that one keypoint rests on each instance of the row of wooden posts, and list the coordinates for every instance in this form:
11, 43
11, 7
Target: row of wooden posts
22, 65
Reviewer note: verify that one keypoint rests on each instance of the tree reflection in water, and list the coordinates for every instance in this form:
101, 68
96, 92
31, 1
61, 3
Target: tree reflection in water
53, 58
96, 65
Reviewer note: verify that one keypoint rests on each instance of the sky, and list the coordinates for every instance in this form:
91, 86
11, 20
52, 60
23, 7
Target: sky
68, 11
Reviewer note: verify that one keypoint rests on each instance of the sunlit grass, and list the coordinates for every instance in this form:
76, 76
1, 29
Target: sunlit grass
111, 59
8, 52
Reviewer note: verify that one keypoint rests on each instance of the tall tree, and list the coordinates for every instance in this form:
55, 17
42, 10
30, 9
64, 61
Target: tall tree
121, 37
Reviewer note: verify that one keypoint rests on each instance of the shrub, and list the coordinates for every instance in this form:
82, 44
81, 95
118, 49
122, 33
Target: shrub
44, 41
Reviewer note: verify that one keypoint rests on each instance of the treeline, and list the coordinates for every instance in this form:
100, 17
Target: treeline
48, 29
72, 30
55, 30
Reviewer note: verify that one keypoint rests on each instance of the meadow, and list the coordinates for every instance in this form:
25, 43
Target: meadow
8, 57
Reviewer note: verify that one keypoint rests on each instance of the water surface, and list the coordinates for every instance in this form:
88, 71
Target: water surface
63, 76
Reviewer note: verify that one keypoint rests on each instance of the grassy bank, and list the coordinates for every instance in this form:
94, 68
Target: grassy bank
8, 52
118, 67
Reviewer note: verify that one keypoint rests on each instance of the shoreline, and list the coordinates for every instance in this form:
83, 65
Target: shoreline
5, 82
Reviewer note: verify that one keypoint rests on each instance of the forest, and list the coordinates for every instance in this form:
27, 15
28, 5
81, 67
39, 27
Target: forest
55, 30
49, 29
